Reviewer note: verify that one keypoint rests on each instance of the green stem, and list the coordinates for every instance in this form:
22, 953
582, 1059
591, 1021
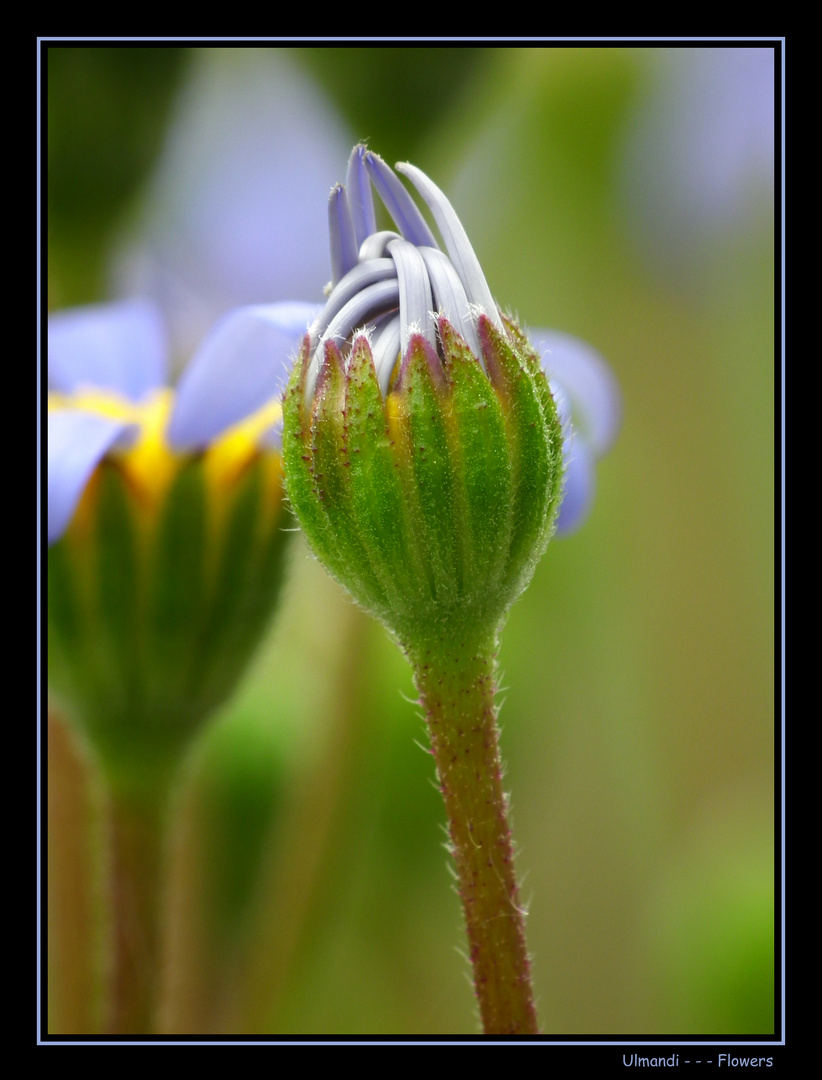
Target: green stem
456, 686
136, 882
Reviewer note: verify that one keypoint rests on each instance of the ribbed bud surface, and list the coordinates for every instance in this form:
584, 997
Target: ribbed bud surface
430, 505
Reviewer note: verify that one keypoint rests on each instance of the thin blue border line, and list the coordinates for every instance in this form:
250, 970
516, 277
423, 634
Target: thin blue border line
39, 639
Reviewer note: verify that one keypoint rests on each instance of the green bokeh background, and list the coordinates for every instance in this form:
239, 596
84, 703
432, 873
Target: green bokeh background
638, 717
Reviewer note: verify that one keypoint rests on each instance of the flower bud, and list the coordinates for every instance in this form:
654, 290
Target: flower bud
422, 444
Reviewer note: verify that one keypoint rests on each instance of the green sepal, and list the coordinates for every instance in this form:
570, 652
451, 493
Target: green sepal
91, 656
332, 483
175, 597
152, 616
426, 466
103, 664
535, 440
72, 642
298, 461
483, 470
248, 570
377, 501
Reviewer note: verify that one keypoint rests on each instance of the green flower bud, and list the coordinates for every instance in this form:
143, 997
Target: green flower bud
422, 445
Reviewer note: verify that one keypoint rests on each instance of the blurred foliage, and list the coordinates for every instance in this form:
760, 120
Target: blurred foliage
392, 97
712, 927
107, 111
638, 670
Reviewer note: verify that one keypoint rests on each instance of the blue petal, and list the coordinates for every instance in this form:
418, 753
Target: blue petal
403, 210
344, 246
242, 364
77, 441
578, 492
119, 347
589, 384
292, 317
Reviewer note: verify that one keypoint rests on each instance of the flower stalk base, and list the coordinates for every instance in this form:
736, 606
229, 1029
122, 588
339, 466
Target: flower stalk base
455, 681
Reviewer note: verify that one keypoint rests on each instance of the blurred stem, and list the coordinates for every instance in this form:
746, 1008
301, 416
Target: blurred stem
456, 687
137, 834
73, 905
295, 867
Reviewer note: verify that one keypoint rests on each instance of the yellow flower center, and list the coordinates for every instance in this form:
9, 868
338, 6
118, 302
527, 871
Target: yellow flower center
149, 464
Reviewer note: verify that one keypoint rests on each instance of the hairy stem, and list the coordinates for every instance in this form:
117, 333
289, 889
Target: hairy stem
455, 681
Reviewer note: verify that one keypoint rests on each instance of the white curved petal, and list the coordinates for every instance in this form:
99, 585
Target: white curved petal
588, 383
355, 281
120, 346
449, 297
77, 442
242, 364
416, 301
456, 241
578, 491
376, 245
386, 351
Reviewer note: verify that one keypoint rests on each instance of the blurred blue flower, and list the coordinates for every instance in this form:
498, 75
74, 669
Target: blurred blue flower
165, 523
107, 367
234, 213
700, 156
